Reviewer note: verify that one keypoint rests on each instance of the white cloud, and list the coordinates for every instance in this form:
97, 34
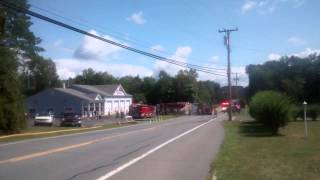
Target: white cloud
157, 48
248, 5
268, 6
137, 18
215, 59
274, 57
303, 54
296, 41
58, 44
94, 49
307, 52
182, 53
71, 67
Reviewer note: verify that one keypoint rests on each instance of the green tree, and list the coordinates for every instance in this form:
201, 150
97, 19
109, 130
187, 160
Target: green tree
185, 85
12, 118
42, 75
297, 77
134, 86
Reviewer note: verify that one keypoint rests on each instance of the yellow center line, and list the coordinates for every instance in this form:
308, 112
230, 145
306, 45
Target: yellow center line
56, 150
50, 132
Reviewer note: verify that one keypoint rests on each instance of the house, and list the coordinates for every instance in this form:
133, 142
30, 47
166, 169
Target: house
85, 100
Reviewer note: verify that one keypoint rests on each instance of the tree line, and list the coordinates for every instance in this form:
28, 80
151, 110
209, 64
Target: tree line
183, 87
297, 77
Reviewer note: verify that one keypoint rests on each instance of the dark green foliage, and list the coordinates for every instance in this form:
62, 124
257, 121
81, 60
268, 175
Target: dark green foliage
271, 109
183, 87
11, 101
42, 75
296, 112
313, 111
90, 77
298, 78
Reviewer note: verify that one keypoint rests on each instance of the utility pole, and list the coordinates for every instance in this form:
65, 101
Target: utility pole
227, 44
236, 79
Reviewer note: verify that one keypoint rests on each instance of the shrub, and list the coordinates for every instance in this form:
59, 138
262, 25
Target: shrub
313, 111
296, 112
271, 109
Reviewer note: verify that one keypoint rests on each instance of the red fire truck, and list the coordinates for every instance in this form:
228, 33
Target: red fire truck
224, 105
140, 111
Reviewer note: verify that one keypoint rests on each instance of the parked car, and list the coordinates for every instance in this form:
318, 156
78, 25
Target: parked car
43, 119
71, 119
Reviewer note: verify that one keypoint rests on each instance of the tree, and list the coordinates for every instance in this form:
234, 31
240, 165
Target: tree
164, 91
90, 77
209, 92
16, 32
20, 60
42, 75
185, 85
134, 86
297, 77
11, 101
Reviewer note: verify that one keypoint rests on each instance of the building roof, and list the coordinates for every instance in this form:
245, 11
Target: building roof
110, 89
89, 89
104, 90
75, 93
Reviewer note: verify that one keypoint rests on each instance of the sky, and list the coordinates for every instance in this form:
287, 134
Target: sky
183, 30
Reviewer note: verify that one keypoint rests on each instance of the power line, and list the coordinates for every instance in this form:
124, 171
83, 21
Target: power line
45, 18
134, 41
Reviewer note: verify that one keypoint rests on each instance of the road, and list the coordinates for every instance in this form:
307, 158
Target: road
182, 148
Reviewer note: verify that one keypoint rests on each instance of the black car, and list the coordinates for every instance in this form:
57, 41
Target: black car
71, 119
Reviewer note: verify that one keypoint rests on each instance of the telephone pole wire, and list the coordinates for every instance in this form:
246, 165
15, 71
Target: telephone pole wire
227, 44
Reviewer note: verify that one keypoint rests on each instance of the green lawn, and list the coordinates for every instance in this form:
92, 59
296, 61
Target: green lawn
159, 118
249, 152
39, 129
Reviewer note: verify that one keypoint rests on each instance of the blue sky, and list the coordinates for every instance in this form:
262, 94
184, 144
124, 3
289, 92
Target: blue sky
184, 30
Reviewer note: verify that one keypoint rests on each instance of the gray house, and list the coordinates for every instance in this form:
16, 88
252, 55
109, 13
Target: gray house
85, 100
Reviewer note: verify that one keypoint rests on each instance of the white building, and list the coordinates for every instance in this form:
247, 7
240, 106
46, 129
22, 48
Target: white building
87, 100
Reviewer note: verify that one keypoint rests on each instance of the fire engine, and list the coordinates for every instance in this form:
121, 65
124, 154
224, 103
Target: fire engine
140, 111
224, 105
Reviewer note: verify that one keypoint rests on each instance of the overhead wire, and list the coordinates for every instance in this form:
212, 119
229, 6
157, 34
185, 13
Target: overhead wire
119, 36
45, 18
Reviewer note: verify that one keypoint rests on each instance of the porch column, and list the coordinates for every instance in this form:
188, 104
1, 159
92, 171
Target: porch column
89, 111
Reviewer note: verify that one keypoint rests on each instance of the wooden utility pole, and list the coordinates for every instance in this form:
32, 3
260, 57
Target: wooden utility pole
236, 79
227, 44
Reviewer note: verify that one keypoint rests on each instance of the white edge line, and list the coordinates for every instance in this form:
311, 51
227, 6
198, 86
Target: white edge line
133, 161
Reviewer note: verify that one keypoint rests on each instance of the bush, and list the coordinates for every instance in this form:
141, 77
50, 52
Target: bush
313, 111
296, 112
271, 109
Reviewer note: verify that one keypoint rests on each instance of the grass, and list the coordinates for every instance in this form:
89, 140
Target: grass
66, 130
159, 118
250, 152
39, 129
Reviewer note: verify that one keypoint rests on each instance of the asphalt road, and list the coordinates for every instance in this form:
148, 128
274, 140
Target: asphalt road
182, 148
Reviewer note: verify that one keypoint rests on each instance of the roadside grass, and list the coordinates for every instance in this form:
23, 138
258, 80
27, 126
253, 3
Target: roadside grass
250, 152
27, 133
158, 118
